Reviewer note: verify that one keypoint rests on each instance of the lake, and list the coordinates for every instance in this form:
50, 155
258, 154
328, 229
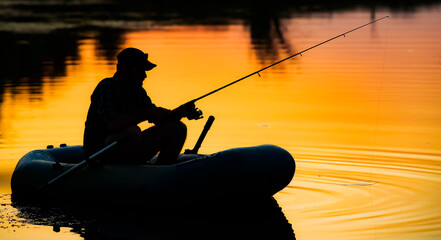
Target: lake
361, 114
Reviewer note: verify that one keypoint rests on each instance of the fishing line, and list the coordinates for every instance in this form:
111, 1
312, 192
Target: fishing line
271, 65
377, 119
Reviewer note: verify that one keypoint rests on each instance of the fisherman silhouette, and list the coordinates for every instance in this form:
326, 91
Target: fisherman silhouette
120, 103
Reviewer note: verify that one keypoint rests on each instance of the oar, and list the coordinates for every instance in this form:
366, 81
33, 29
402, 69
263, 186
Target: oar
79, 165
70, 170
201, 137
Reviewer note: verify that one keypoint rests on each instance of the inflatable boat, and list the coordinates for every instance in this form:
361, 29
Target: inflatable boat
259, 171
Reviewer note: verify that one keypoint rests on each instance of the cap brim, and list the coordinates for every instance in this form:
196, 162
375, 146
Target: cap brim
149, 66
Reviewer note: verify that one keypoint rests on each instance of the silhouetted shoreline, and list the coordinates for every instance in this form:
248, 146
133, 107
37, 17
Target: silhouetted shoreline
64, 14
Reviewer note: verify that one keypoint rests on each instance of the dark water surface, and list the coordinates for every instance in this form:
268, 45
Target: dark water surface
360, 114
253, 220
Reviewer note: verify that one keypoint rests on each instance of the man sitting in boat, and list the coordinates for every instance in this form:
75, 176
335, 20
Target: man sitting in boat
119, 103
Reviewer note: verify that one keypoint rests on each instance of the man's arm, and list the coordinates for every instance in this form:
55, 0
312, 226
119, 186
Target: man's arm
152, 114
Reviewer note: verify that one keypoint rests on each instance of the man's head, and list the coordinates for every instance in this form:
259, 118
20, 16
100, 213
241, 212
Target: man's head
132, 64
135, 57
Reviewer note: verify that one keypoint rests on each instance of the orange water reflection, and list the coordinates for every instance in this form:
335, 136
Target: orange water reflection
360, 114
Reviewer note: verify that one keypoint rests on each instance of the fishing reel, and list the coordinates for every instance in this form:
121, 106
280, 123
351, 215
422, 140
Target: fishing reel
191, 112
195, 114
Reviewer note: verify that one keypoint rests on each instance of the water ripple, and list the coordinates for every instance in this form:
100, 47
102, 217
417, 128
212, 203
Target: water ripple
364, 189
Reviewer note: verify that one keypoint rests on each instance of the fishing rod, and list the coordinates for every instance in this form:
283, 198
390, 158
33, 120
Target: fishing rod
299, 53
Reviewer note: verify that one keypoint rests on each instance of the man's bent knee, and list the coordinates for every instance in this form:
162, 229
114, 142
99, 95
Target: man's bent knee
177, 128
181, 128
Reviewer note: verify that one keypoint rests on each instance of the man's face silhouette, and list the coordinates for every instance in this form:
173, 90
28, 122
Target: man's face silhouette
136, 75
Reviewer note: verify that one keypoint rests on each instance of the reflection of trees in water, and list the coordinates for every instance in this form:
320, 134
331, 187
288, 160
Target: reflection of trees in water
27, 57
109, 42
267, 33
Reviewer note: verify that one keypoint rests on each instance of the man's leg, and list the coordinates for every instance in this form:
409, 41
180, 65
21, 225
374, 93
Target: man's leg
129, 150
167, 139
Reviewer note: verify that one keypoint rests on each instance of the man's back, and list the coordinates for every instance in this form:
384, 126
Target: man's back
110, 99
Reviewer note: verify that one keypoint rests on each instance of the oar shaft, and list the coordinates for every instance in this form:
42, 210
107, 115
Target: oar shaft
299, 53
81, 164
203, 134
